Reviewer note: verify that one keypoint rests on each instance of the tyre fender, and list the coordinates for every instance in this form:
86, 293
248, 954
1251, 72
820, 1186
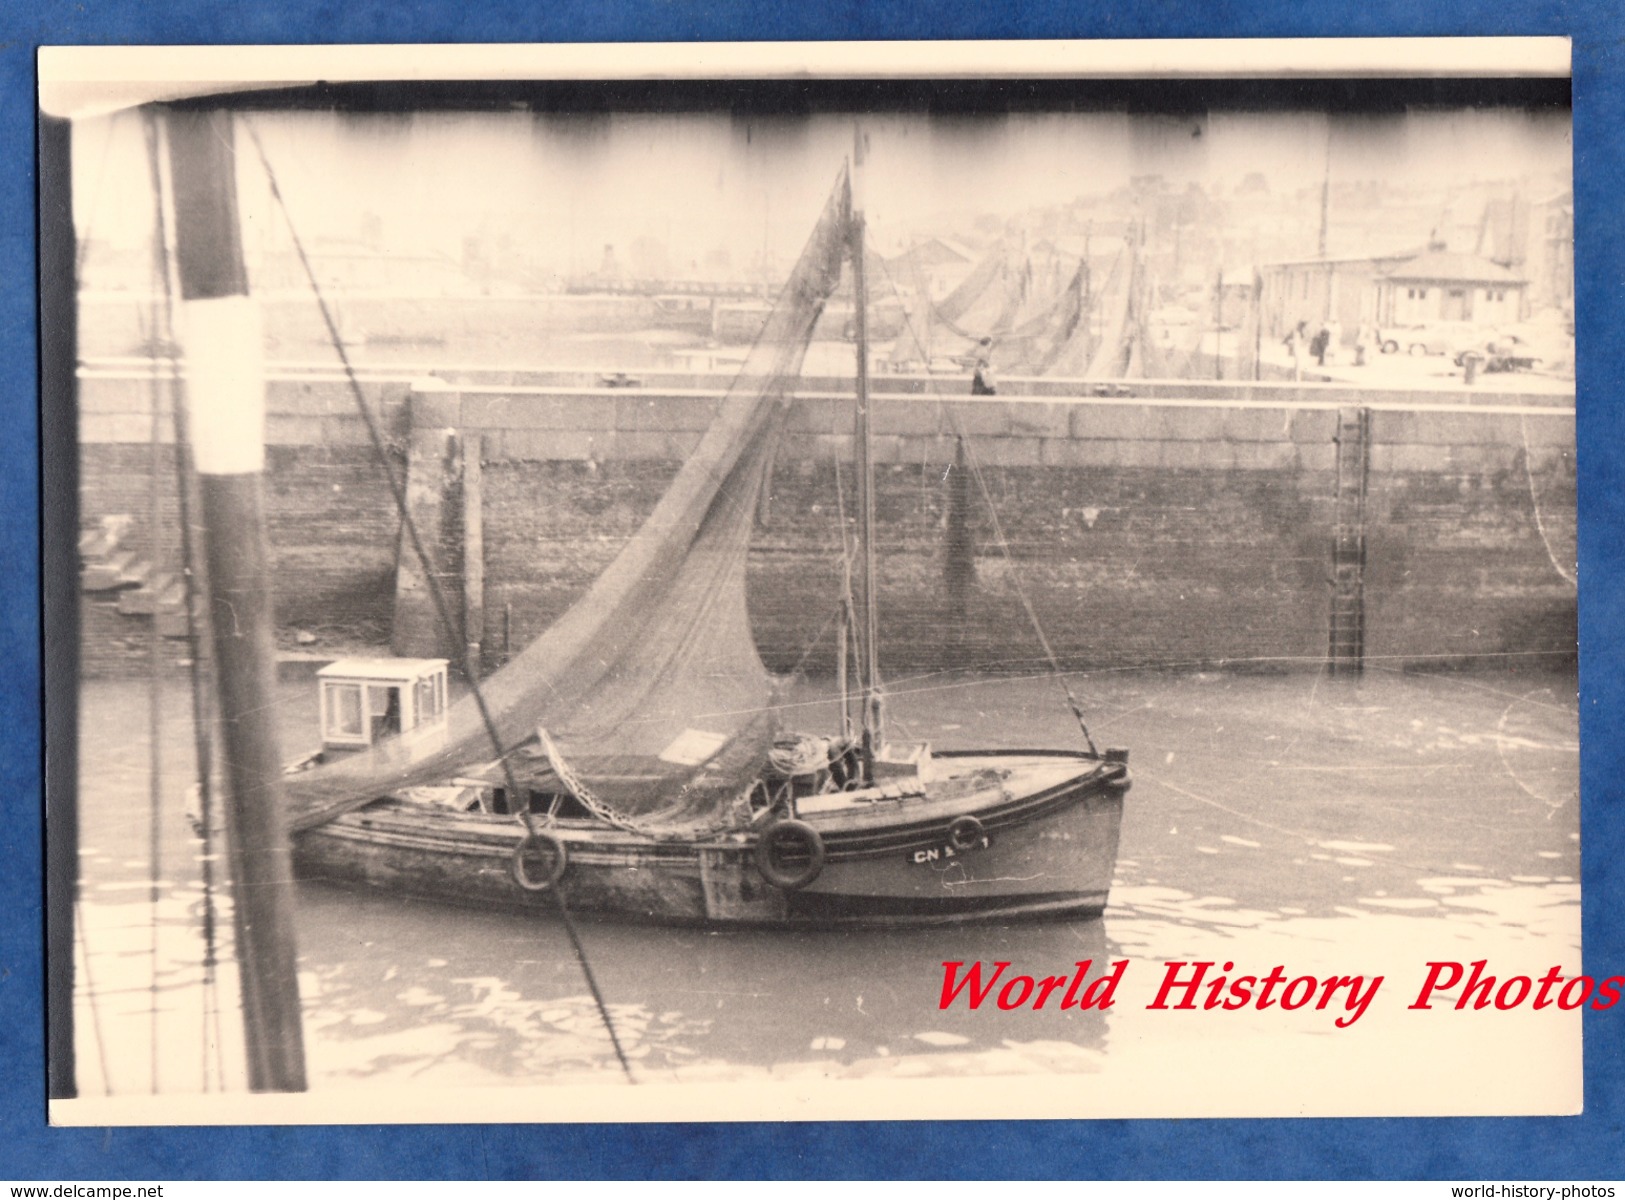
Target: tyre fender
557, 864
789, 835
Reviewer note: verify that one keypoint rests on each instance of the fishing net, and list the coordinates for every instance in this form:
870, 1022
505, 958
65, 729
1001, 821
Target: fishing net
1119, 333
983, 304
647, 697
1033, 346
1030, 306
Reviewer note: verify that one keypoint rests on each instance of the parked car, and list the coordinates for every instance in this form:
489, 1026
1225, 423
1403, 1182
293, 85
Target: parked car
1438, 337
1500, 352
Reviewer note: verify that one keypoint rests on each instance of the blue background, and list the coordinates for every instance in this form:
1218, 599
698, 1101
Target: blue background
1585, 1148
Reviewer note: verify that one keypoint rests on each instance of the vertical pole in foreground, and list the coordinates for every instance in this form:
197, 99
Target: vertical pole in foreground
226, 387
59, 521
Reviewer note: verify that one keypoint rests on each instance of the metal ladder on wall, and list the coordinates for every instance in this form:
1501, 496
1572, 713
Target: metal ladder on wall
1346, 644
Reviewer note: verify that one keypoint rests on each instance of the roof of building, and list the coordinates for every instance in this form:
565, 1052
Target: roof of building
1422, 265
1444, 266
937, 250
382, 669
1339, 260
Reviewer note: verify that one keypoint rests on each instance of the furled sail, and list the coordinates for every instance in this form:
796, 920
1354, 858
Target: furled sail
648, 691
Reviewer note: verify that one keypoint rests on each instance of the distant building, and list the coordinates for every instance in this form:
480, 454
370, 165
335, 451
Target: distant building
1314, 290
1409, 288
1438, 285
938, 265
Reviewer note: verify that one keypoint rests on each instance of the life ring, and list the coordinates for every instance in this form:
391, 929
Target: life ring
538, 839
804, 845
966, 832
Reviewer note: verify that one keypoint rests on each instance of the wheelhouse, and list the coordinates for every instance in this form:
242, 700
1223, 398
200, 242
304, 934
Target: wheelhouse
365, 700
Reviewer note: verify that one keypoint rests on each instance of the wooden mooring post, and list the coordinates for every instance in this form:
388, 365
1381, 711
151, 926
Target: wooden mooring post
432, 465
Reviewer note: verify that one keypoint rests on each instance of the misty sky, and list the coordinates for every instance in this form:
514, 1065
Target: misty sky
565, 185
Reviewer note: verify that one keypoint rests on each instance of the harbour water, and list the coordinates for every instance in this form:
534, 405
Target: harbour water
1332, 827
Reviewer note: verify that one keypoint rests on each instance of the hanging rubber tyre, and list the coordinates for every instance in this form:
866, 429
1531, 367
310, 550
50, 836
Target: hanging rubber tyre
966, 832
559, 859
790, 854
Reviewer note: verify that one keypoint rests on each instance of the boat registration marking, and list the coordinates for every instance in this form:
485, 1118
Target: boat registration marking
933, 854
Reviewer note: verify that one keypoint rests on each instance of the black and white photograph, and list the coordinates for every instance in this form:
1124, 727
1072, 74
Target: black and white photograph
1004, 581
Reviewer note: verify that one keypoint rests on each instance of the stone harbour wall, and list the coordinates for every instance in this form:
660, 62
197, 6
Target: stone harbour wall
1158, 525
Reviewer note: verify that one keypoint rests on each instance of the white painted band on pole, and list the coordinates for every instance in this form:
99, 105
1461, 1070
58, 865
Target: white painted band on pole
225, 385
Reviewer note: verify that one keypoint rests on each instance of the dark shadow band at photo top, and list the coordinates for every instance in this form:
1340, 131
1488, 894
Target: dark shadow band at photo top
949, 98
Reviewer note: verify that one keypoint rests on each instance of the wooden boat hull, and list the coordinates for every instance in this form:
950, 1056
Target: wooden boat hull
1046, 833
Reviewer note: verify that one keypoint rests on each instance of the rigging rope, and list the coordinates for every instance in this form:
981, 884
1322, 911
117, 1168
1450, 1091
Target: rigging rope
155, 771
90, 995
442, 609
1004, 546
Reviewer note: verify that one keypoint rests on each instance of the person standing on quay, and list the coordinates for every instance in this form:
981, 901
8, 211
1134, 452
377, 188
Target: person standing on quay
981, 381
1294, 342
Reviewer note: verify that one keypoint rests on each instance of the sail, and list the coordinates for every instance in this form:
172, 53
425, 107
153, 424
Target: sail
647, 695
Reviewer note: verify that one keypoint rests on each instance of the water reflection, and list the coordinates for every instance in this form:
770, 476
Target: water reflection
1371, 827
503, 995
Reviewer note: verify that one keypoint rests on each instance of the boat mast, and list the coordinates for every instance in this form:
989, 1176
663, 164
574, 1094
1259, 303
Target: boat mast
869, 654
226, 389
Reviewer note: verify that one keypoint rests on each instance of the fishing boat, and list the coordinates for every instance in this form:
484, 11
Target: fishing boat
634, 761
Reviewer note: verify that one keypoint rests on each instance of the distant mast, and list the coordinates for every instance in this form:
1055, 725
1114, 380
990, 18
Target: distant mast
868, 649
1326, 194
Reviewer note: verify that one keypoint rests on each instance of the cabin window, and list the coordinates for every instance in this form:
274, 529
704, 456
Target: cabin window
344, 710
427, 699
384, 709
